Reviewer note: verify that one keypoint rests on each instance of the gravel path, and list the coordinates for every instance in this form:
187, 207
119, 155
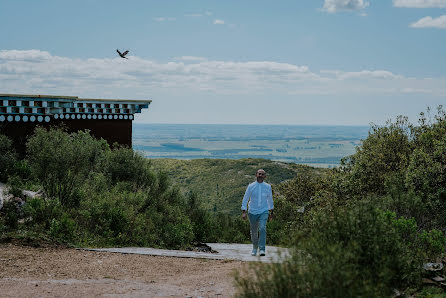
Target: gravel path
66, 272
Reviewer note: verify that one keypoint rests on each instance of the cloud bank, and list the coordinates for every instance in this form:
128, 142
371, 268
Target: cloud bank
333, 6
39, 72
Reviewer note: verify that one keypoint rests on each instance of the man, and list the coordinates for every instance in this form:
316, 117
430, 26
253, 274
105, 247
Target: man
261, 208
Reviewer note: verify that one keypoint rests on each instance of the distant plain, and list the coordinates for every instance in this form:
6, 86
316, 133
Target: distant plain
319, 146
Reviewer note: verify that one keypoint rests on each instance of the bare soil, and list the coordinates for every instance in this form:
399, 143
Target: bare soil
66, 272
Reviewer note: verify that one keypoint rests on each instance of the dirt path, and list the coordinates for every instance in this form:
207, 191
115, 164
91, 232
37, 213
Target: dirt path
66, 272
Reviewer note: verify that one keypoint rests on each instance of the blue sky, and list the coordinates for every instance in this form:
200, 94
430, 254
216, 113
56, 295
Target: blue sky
328, 62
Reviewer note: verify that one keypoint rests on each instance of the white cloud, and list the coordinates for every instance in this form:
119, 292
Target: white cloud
30, 55
219, 22
364, 74
419, 3
429, 22
333, 6
415, 90
40, 72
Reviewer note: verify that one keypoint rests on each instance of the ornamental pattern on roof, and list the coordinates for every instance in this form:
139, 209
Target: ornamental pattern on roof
44, 108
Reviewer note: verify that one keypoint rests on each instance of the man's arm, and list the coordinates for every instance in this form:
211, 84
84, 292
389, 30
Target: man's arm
246, 198
245, 202
270, 204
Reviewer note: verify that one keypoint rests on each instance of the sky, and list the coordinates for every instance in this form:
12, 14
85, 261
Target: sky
306, 62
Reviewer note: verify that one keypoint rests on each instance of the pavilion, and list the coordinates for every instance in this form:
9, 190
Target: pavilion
110, 119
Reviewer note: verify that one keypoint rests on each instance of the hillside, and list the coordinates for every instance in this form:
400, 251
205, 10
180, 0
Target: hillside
221, 183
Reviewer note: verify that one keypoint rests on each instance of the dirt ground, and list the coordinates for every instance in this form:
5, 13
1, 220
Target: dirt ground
65, 272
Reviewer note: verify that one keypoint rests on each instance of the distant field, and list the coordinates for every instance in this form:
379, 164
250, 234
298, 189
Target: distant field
321, 146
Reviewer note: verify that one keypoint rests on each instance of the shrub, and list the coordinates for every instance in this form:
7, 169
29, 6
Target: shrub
62, 162
230, 229
7, 158
125, 165
426, 174
10, 215
291, 199
107, 217
63, 229
362, 252
384, 153
202, 225
40, 212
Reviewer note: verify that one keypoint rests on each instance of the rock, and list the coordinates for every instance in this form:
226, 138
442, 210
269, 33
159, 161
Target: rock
396, 293
438, 278
433, 266
33, 194
203, 247
428, 281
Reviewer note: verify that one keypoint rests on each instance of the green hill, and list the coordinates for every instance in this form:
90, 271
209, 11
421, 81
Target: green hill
221, 183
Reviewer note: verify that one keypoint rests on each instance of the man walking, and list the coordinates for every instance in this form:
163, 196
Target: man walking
260, 197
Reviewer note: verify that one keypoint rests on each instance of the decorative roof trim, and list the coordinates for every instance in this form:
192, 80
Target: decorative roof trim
72, 97
18, 107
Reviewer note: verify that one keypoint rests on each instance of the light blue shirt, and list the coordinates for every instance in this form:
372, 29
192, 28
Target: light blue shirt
260, 197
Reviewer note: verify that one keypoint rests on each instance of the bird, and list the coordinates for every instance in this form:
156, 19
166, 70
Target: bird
122, 55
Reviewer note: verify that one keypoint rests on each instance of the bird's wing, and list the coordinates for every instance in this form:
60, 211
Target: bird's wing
118, 52
125, 53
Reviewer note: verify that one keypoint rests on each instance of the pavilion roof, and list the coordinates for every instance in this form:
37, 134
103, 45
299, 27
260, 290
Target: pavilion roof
26, 107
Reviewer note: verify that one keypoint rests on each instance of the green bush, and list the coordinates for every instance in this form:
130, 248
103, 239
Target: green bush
433, 242
201, 220
15, 186
123, 164
383, 154
426, 175
10, 215
63, 229
108, 219
229, 229
62, 162
362, 252
39, 213
7, 158
291, 198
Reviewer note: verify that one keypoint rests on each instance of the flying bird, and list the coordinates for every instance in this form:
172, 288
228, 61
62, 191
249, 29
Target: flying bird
122, 54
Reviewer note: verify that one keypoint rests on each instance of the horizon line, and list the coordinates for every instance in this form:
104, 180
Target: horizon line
254, 124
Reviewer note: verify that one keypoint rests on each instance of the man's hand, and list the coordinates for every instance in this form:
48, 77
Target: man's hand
244, 214
271, 215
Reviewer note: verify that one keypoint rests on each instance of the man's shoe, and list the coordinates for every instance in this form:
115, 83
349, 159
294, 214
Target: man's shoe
254, 251
262, 253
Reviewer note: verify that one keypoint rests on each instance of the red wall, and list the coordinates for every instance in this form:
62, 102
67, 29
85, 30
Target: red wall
112, 131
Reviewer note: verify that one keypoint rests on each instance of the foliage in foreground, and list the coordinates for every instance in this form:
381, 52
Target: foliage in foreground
358, 252
97, 195
368, 226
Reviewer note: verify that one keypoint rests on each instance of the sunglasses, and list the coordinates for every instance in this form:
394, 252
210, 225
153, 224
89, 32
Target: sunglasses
261, 174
